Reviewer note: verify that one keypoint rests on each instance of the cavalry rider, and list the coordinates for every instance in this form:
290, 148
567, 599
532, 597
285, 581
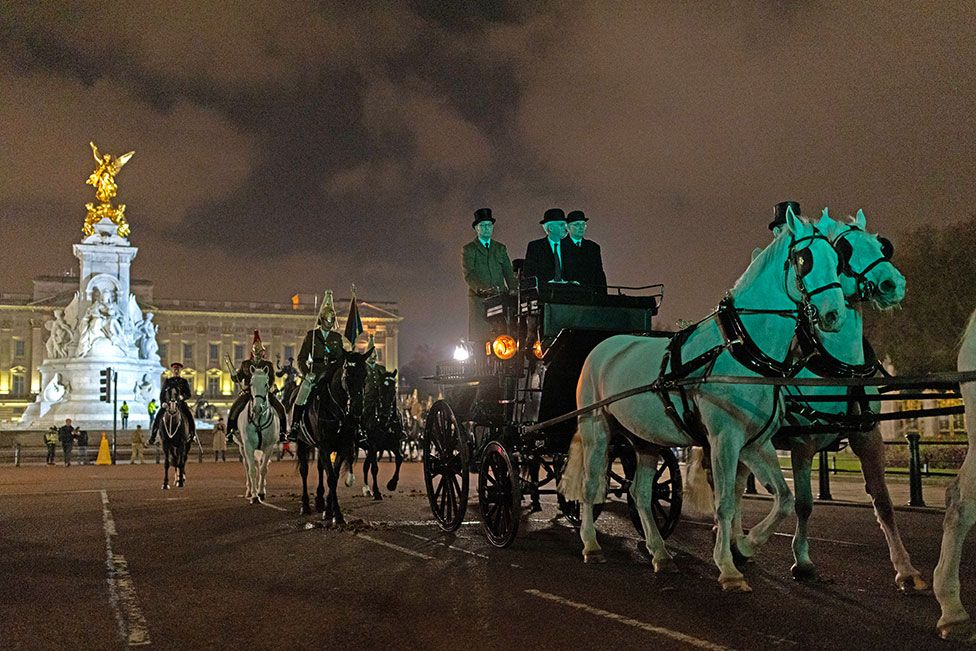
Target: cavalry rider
175, 388
321, 355
290, 373
487, 270
584, 263
374, 377
248, 366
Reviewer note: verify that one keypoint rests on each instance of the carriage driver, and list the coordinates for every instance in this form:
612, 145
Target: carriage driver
175, 388
487, 270
258, 360
323, 348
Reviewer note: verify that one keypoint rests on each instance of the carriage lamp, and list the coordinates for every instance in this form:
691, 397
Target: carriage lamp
537, 349
504, 347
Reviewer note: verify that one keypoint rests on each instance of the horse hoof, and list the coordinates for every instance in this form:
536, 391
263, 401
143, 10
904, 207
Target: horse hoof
594, 557
912, 584
165, 487
735, 584
804, 572
261, 497
254, 500
665, 566
738, 557
304, 509
377, 497
320, 505
391, 485
962, 630
367, 492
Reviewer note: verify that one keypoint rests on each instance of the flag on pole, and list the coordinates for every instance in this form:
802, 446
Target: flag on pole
354, 324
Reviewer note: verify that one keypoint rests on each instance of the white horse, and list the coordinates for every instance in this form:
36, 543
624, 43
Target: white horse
794, 277
960, 510
867, 275
258, 429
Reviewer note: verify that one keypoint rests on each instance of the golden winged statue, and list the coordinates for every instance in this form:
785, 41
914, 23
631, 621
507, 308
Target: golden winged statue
103, 180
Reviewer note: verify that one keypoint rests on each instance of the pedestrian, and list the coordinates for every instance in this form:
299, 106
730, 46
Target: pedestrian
220, 440
66, 436
83, 447
51, 441
137, 442
124, 412
151, 408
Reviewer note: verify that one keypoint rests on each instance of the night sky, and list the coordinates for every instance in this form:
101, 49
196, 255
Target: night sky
303, 146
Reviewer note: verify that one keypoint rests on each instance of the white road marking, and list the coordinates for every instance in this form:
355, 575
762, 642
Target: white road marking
122, 591
650, 628
272, 506
849, 543
444, 544
398, 548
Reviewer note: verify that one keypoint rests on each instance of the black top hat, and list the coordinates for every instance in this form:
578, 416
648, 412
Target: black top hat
577, 216
779, 213
553, 215
482, 215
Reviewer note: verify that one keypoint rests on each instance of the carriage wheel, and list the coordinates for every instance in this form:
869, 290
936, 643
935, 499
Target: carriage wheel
666, 503
499, 495
445, 469
571, 509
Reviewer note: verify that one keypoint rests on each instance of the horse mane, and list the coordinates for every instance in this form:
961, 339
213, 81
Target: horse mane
760, 258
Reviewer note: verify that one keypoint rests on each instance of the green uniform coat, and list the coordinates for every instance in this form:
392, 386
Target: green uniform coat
485, 270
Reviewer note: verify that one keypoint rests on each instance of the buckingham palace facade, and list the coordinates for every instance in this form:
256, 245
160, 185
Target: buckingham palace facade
202, 335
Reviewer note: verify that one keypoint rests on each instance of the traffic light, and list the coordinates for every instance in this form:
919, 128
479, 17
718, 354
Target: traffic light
105, 384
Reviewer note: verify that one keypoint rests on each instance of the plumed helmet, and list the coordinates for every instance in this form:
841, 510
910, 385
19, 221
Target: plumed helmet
257, 346
327, 313
372, 346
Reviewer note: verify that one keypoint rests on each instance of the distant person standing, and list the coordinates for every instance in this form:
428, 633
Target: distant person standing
151, 408
137, 442
220, 441
124, 412
83, 447
66, 436
51, 441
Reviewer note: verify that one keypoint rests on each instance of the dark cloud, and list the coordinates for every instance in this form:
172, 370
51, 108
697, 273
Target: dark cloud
348, 142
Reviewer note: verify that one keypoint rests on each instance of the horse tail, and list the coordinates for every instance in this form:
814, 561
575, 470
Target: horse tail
698, 495
571, 483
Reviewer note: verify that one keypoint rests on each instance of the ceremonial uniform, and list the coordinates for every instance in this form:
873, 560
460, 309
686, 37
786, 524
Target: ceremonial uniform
487, 269
243, 375
178, 389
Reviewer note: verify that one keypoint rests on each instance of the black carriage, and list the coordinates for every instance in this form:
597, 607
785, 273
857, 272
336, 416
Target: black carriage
487, 422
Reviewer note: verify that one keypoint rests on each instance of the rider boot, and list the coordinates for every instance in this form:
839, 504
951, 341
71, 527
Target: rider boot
297, 414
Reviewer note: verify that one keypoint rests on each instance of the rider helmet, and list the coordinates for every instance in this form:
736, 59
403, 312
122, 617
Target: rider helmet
327, 314
176, 368
257, 346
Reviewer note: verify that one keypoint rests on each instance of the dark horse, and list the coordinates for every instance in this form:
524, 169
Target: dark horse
177, 436
332, 422
383, 431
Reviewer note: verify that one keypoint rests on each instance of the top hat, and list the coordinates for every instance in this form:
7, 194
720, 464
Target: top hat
779, 213
482, 215
577, 216
553, 215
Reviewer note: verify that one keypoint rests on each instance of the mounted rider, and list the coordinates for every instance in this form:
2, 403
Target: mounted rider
175, 388
321, 355
258, 360
374, 378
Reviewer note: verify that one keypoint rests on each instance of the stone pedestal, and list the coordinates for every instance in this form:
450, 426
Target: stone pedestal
102, 327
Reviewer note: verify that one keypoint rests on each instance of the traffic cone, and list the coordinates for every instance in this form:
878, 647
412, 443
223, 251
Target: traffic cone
104, 456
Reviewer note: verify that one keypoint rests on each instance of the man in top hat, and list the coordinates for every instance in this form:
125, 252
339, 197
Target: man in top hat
175, 388
322, 353
779, 214
257, 360
584, 261
487, 270
546, 258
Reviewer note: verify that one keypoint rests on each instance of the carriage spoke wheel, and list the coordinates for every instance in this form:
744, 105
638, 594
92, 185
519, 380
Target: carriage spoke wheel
445, 469
667, 495
499, 495
571, 509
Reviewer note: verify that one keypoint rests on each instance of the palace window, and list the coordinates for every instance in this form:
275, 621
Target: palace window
20, 348
214, 355
289, 352
213, 385
238, 352
163, 352
187, 353
18, 382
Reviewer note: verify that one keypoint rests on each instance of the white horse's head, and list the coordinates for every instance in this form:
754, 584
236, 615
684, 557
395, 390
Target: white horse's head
867, 272
259, 391
799, 267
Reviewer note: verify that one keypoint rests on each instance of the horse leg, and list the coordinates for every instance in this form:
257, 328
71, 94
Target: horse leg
725, 461
320, 504
763, 462
954, 622
165, 469
642, 490
263, 472
375, 469
585, 477
801, 459
303, 451
366, 466
869, 448
334, 471
398, 459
